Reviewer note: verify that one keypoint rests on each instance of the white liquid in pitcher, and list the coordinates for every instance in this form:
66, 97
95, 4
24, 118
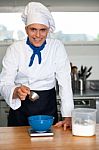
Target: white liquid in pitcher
83, 130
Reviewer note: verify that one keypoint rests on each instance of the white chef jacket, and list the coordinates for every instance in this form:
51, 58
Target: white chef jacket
54, 64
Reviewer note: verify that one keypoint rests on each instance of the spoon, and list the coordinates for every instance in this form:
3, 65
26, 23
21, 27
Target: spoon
33, 96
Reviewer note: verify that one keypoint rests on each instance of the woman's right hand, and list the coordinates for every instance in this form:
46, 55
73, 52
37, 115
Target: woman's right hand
21, 92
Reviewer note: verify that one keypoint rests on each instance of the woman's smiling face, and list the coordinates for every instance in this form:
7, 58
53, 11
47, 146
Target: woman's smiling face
37, 33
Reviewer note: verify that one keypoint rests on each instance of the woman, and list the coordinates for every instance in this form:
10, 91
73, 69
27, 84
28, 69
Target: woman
34, 64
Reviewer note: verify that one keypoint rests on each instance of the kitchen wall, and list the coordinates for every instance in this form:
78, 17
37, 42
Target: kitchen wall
87, 55
79, 54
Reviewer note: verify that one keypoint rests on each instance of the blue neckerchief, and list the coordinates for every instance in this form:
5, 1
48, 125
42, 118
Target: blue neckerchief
36, 51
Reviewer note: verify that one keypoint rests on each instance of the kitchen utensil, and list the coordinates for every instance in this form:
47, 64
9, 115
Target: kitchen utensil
40, 134
89, 69
80, 84
84, 70
33, 96
83, 121
87, 75
40, 123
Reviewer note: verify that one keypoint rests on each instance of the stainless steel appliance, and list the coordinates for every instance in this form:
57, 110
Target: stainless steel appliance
85, 102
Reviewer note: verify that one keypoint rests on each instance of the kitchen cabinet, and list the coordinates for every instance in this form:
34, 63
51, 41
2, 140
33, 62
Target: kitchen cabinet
85, 102
4, 109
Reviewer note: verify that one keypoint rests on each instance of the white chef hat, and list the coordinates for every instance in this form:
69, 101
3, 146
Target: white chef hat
35, 12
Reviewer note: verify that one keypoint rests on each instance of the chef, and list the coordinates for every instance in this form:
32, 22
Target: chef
34, 64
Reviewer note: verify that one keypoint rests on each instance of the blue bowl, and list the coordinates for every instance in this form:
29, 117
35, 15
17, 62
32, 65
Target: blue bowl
41, 123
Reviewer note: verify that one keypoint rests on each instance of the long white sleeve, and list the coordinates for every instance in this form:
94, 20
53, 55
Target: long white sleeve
7, 78
63, 76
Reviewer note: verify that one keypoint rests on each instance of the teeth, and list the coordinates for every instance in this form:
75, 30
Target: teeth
37, 39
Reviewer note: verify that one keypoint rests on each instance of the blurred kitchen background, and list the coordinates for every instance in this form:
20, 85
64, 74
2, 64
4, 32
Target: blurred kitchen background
77, 26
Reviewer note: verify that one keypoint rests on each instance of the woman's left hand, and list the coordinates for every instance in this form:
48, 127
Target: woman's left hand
65, 123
